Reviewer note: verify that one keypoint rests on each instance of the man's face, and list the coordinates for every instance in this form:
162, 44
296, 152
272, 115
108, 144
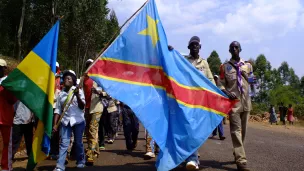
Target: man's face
194, 48
235, 49
1, 71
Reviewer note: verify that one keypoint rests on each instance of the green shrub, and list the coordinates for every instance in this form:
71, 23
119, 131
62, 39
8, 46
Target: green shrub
299, 110
259, 108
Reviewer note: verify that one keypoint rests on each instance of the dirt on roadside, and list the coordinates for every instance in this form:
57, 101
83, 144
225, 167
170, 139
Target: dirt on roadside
289, 129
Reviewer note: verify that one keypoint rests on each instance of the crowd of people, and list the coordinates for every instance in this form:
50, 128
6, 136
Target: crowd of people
84, 109
283, 110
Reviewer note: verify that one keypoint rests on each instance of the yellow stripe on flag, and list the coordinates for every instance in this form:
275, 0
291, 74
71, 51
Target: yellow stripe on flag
38, 155
36, 69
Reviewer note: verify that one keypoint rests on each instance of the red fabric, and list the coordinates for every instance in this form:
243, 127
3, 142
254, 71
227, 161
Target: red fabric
87, 88
290, 115
57, 84
58, 70
7, 101
6, 161
222, 72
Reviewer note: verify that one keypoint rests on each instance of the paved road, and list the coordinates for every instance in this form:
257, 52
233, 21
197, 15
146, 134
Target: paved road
268, 148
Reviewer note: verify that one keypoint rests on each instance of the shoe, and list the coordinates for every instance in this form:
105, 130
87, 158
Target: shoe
222, 138
57, 169
102, 148
198, 155
110, 141
242, 167
192, 166
213, 137
80, 166
149, 155
134, 145
90, 160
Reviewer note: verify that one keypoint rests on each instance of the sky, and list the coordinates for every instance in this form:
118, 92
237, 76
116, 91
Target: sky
274, 28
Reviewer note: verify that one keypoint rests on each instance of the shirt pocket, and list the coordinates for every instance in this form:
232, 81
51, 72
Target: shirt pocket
200, 68
232, 75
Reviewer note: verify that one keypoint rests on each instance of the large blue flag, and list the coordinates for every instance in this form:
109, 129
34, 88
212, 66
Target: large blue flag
176, 104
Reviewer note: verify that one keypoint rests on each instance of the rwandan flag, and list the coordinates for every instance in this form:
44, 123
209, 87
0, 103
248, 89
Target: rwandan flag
32, 82
176, 104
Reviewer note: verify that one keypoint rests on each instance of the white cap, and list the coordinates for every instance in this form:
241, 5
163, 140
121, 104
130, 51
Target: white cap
57, 64
90, 60
3, 63
216, 76
71, 71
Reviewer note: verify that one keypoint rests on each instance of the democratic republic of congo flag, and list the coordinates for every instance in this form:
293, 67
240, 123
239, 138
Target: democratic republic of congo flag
176, 104
32, 82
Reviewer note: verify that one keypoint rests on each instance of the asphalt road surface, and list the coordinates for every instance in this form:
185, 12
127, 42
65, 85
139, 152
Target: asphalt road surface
275, 148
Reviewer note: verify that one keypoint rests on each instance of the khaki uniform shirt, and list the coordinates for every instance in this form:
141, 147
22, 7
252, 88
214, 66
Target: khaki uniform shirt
228, 81
113, 105
96, 104
202, 65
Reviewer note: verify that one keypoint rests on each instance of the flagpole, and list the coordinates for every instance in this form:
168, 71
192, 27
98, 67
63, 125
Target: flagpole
63, 112
114, 36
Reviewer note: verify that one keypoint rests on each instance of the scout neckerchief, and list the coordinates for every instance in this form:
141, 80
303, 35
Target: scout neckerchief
70, 94
237, 66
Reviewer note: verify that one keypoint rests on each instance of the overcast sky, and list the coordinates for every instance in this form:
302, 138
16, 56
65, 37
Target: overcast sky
272, 27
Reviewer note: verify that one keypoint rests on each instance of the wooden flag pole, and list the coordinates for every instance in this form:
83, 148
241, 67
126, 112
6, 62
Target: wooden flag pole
64, 110
114, 36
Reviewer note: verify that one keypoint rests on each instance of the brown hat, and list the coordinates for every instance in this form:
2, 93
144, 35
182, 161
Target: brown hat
3, 63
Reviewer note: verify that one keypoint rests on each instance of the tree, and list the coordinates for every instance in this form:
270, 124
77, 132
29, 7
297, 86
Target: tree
275, 79
302, 86
284, 72
214, 62
263, 73
20, 29
113, 25
84, 30
285, 94
294, 80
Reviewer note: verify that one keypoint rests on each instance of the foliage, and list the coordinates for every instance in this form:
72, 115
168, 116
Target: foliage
214, 62
85, 28
302, 86
299, 111
259, 108
285, 94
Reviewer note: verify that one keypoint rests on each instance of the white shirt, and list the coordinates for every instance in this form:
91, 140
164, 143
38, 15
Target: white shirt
23, 114
74, 114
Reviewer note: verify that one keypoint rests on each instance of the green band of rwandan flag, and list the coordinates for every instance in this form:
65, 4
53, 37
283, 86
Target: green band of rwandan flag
32, 96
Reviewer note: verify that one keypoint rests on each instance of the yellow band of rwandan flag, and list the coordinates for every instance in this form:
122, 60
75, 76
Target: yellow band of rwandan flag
40, 73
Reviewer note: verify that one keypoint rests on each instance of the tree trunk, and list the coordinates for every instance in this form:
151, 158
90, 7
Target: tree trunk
20, 29
54, 6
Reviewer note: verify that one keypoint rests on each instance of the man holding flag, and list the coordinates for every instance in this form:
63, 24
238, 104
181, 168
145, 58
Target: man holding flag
202, 65
33, 83
161, 87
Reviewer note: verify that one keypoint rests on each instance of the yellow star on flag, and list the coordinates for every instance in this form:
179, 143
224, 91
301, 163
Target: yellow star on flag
151, 30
